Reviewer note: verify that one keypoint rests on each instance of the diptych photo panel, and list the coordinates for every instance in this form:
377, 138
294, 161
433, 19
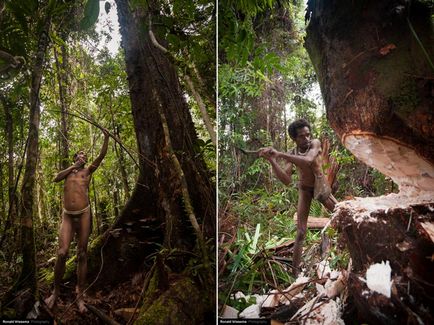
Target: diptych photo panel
216, 162
108, 165
325, 162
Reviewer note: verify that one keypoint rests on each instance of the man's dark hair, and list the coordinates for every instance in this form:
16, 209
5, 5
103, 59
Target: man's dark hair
292, 128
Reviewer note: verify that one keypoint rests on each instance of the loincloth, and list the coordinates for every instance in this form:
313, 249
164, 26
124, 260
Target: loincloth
306, 188
320, 191
75, 213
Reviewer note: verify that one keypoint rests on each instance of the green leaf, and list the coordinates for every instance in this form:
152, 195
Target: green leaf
57, 39
91, 13
255, 238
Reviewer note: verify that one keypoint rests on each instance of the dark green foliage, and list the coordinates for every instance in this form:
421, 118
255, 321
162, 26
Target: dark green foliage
91, 13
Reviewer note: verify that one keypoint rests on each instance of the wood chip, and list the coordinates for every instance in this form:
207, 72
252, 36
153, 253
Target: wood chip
429, 228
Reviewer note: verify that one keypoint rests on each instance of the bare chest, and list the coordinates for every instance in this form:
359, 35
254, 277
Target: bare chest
78, 179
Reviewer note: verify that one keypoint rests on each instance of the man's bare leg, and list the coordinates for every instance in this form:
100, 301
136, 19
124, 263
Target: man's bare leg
65, 237
83, 232
304, 201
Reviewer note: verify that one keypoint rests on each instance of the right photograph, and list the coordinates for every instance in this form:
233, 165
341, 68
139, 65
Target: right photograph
325, 162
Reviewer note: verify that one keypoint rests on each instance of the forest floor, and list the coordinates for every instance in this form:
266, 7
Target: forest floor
317, 296
118, 302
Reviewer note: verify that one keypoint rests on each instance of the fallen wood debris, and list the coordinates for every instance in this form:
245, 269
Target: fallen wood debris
229, 312
314, 222
106, 319
389, 239
390, 245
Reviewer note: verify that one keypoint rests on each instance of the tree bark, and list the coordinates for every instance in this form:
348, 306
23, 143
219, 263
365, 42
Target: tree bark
120, 156
63, 131
404, 236
119, 153
12, 199
372, 59
2, 198
27, 278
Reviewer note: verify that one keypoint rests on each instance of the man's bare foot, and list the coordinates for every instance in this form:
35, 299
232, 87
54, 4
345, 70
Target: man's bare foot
51, 300
81, 307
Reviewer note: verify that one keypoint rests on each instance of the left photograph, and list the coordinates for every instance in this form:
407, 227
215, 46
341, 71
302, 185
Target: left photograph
108, 161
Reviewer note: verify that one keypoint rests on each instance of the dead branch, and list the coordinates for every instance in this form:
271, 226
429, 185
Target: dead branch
145, 286
106, 319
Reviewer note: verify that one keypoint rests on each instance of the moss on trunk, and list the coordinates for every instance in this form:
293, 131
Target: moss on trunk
182, 303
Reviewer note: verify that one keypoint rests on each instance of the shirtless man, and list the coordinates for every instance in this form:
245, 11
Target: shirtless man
312, 183
76, 218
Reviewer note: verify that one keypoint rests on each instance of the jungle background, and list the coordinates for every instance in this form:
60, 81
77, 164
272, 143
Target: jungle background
266, 81
62, 77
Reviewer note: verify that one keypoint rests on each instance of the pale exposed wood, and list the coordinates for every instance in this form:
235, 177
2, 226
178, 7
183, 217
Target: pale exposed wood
313, 222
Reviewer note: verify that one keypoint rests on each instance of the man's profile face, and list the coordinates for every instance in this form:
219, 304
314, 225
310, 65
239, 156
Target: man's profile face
81, 155
303, 138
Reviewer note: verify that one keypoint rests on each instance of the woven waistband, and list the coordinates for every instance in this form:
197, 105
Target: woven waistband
76, 212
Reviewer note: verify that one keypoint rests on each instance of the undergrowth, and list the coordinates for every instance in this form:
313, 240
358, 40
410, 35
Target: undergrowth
263, 220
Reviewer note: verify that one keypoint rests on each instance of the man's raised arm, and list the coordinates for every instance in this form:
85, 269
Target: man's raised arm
95, 164
62, 174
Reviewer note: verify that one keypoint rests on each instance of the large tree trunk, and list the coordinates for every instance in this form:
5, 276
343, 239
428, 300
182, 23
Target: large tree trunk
377, 83
12, 197
64, 105
373, 62
26, 282
172, 175
402, 235
120, 156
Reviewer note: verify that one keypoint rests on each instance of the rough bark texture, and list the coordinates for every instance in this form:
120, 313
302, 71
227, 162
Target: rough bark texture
12, 196
374, 76
157, 213
374, 63
120, 156
400, 236
26, 285
64, 105
173, 306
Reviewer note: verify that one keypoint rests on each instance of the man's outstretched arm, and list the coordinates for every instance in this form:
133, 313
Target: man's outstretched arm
301, 161
283, 175
95, 164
